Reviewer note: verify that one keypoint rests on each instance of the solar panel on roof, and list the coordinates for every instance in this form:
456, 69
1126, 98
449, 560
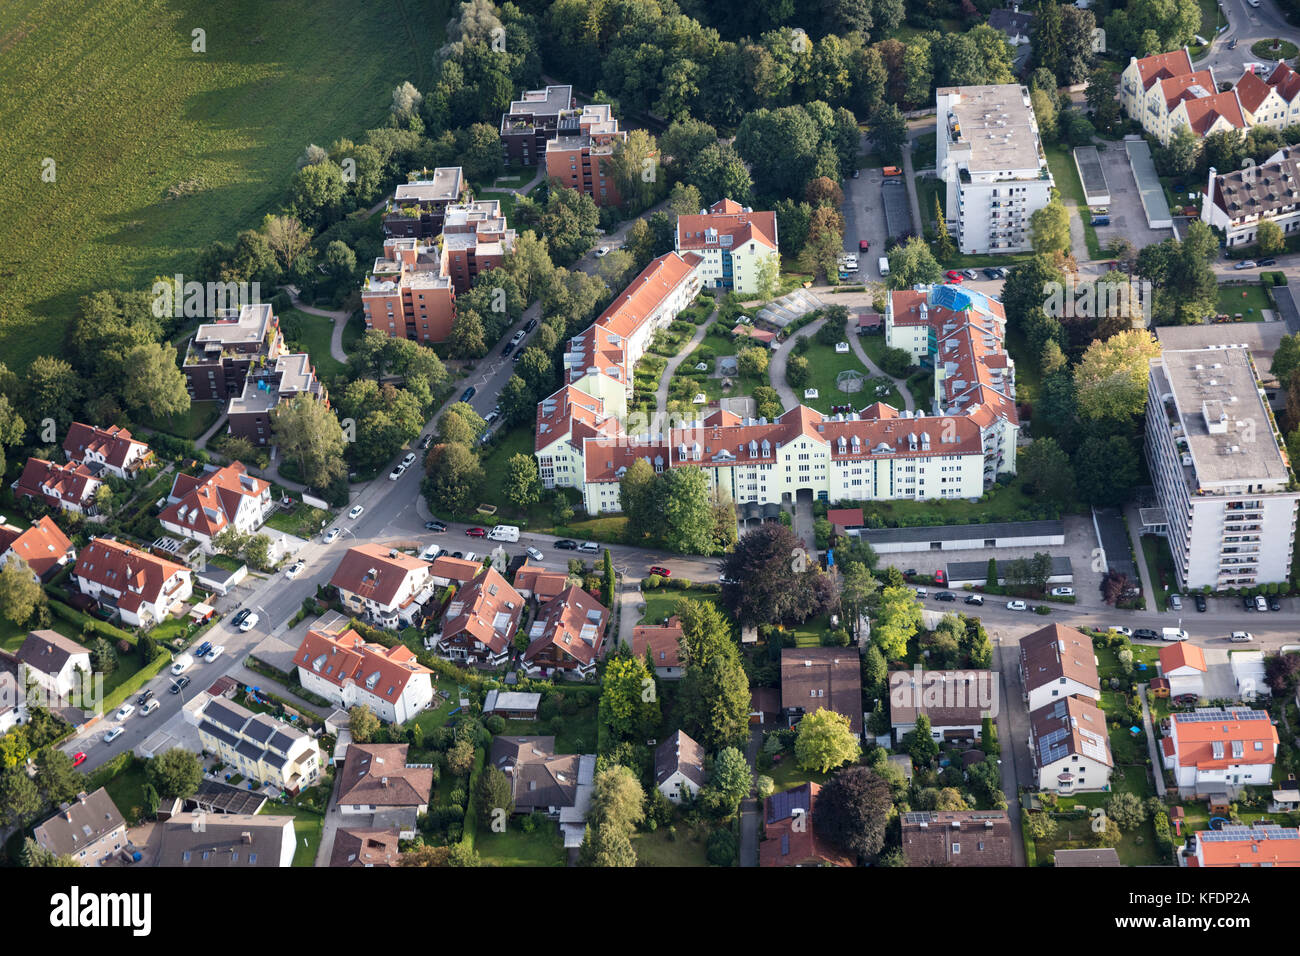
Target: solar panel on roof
1232, 834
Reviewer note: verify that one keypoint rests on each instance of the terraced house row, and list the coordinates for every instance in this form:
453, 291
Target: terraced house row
877, 453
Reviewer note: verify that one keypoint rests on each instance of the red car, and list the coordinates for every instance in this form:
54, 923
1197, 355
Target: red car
476, 533
79, 759
952, 275
662, 572
863, 245
940, 577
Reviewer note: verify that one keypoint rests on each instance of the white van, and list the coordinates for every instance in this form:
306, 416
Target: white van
884, 265
504, 532
1173, 634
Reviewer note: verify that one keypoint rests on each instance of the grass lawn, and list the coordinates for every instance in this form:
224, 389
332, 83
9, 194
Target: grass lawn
928, 189
12, 636
690, 848
809, 633
1108, 663
127, 791
660, 603
1247, 300
315, 332
1003, 504
577, 736
307, 826
786, 775
303, 521
826, 364
200, 417
129, 114
1060, 160
1160, 566
353, 331
542, 847
924, 150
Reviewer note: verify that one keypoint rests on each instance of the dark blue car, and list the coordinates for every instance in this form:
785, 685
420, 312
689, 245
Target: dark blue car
469, 393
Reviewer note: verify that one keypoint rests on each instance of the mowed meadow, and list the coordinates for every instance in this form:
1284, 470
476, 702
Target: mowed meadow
159, 150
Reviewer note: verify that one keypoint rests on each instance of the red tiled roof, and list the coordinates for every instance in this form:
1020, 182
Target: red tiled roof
543, 584
1203, 112
664, 642
574, 622
647, 292
137, 575
1057, 651
208, 504
383, 671
1265, 846
114, 444
1152, 69
726, 218
1195, 737
786, 844
41, 545
455, 569
1251, 90
391, 568
1285, 80
487, 609
71, 483
1175, 89
1182, 654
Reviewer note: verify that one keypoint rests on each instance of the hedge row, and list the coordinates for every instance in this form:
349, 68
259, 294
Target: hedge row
137, 680
88, 623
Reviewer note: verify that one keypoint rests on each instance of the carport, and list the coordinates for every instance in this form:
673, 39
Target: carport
1148, 183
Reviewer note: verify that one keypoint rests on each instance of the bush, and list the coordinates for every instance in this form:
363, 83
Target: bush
722, 848
458, 798
496, 724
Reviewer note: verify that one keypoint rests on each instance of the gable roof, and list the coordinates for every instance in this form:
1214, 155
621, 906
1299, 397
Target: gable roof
956, 696
539, 777
42, 545
48, 651
1175, 89
1251, 90
208, 504
377, 775
365, 846
114, 444
79, 823
54, 483
813, 678
543, 584
455, 569
1182, 654
1203, 112
487, 609
644, 294
957, 838
573, 621
789, 845
662, 640
1057, 651
1071, 726
376, 573
225, 840
1260, 845
136, 575
1152, 69
1215, 738
680, 753
382, 671
729, 219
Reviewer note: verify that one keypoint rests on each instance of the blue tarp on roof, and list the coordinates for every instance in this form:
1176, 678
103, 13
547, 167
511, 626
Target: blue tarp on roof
958, 299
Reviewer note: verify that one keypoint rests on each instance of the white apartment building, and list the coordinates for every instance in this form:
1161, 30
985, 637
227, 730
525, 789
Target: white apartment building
348, 672
1238, 201
991, 158
259, 747
1226, 499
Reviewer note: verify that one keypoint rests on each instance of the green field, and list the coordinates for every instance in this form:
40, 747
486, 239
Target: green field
112, 92
315, 332
1247, 300
826, 364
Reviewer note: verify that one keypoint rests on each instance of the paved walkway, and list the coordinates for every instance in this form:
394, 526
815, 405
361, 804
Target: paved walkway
661, 394
1078, 245
1134, 524
202, 440
874, 369
1013, 733
340, 323
909, 180
1156, 765
253, 679
781, 357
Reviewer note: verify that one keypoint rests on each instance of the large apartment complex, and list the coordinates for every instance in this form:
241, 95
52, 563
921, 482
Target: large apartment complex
410, 292
878, 453
418, 208
991, 159
1222, 481
546, 127
733, 241
1164, 91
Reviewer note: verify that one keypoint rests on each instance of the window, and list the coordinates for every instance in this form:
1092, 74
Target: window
956, 849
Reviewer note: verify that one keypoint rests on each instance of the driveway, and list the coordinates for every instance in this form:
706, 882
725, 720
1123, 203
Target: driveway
1013, 733
1128, 220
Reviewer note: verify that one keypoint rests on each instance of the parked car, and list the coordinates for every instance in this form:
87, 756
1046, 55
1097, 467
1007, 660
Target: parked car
1101, 220
533, 553
125, 711
113, 735
295, 569
1187, 700
331, 534
1241, 637
1176, 602
491, 416
1016, 606
469, 393
857, 173
945, 596
408, 459
458, 554
1274, 604
976, 599
241, 616
476, 532
922, 592
1261, 603
589, 547
397, 473
430, 553
79, 758
1247, 602
144, 698
602, 252
470, 556
184, 661
863, 245
435, 525
991, 273
661, 571
1121, 629
179, 685
941, 576
507, 349
1201, 603
970, 273
213, 654
250, 622
149, 708
355, 513
1268, 262
530, 325
203, 649
952, 275
1145, 634
910, 573
1062, 592
517, 337
1245, 264
426, 441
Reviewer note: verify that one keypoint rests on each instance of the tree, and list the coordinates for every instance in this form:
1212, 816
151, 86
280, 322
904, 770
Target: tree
685, 511
1106, 469
569, 222
1111, 378
12, 427
1049, 228
362, 724
287, 238
1269, 237
58, 779
897, 620
1040, 826
853, 811
316, 192
52, 388
310, 435
825, 740
468, 338
495, 794
858, 587
20, 801
912, 263
920, 744
731, 780
20, 591
34, 855
522, 486
1045, 468
629, 706
636, 499
944, 247
752, 362
888, 129
798, 372
175, 773
1286, 359
453, 480
153, 382
460, 757
772, 579
715, 691
767, 278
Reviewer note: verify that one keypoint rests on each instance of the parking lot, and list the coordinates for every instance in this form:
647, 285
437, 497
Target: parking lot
864, 218
1127, 218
